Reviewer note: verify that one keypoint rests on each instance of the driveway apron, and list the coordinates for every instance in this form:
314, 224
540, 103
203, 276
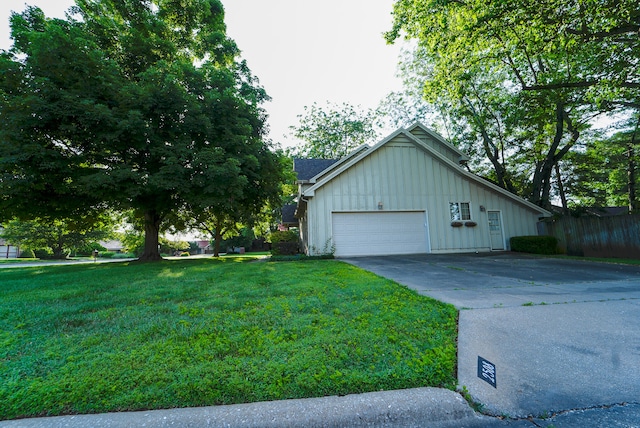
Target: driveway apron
560, 334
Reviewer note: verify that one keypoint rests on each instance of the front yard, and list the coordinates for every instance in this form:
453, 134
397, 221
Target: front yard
117, 337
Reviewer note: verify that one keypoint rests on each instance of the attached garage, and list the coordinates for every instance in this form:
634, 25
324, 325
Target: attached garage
380, 233
408, 194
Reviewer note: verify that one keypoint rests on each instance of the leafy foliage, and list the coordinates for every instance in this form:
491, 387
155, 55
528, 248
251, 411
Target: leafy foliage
59, 236
284, 243
334, 131
534, 244
520, 81
137, 105
604, 173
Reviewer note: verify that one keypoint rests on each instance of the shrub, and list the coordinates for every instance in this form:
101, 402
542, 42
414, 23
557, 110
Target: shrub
284, 243
124, 256
87, 249
27, 254
106, 254
43, 253
243, 239
283, 236
185, 254
534, 244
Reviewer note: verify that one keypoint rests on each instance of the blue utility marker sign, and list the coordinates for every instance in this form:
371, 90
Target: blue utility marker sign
487, 371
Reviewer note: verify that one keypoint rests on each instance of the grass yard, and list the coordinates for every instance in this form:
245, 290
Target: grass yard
116, 337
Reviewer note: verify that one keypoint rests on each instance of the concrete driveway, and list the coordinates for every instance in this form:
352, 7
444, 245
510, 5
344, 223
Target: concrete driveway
561, 334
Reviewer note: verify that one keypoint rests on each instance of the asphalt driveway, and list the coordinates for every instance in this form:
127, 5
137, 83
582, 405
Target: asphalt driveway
561, 334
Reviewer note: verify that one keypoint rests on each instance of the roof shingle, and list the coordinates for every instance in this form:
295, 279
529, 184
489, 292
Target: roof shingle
309, 168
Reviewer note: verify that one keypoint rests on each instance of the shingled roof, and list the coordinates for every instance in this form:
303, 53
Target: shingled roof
288, 215
308, 168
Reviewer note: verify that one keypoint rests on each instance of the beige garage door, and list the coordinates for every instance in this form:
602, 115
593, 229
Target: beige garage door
380, 233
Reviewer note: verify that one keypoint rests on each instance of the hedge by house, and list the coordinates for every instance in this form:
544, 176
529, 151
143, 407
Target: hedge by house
284, 243
534, 244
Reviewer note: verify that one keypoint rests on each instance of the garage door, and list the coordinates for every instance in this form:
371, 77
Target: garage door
380, 233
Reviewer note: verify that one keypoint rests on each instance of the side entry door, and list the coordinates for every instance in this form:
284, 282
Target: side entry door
495, 230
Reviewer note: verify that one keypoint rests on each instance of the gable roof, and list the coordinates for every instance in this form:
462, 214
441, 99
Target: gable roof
334, 172
288, 214
308, 168
314, 169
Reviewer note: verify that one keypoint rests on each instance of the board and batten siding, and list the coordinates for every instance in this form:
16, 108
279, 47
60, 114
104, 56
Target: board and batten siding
443, 148
401, 176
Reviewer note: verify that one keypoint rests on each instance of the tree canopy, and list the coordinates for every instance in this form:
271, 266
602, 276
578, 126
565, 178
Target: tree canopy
522, 81
59, 235
333, 131
136, 105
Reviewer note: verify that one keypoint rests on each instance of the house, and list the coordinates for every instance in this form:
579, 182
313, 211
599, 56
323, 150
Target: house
112, 246
6, 249
408, 194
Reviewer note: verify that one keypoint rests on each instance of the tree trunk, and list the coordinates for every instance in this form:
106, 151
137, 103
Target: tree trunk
151, 237
542, 178
631, 171
563, 196
492, 152
59, 252
217, 239
631, 179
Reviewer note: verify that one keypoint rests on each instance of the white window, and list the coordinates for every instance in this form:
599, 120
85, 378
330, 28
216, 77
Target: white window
460, 211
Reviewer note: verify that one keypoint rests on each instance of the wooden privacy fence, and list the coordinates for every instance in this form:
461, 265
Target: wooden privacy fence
617, 236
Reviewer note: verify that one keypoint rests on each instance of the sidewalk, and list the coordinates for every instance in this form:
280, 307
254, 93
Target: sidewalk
420, 407
411, 408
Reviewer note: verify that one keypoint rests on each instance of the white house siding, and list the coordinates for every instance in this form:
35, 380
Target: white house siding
443, 148
404, 177
9, 251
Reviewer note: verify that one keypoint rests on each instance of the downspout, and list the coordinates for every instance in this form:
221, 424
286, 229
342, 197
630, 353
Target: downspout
306, 245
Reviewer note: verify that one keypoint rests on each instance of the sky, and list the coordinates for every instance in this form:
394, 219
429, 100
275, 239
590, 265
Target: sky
302, 51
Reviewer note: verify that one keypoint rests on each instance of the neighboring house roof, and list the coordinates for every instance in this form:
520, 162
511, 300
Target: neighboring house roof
325, 176
112, 245
607, 211
308, 168
594, 211
288, 214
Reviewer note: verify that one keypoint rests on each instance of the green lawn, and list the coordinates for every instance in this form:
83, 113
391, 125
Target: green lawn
130, 336
12, 261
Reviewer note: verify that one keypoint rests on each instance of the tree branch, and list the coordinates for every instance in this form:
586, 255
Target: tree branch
582, 84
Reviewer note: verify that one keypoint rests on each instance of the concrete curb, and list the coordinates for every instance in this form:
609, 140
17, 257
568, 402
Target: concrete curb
417, 407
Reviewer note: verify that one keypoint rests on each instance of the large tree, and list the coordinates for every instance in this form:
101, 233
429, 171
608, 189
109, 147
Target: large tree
604, 174
331, 132
131, 104
530, 74
256, 204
